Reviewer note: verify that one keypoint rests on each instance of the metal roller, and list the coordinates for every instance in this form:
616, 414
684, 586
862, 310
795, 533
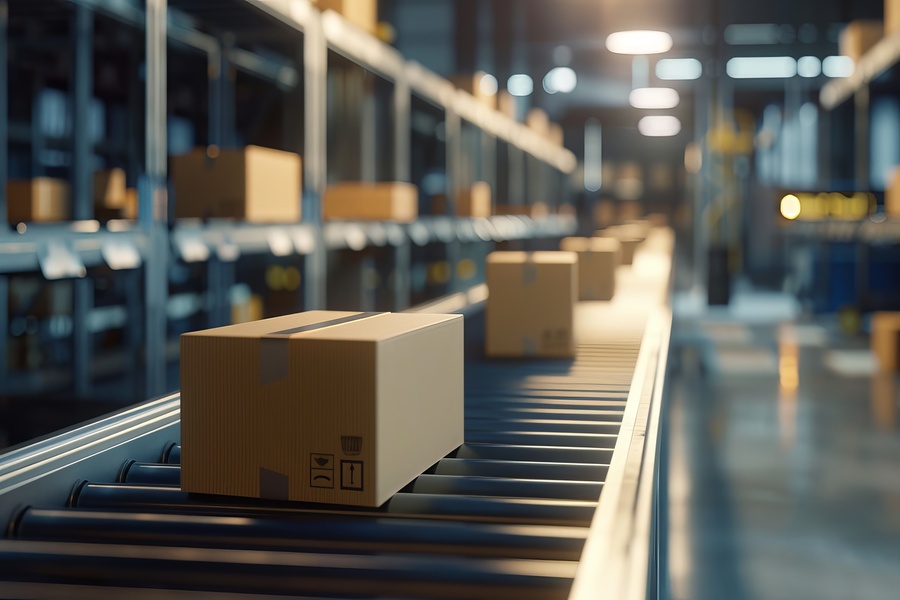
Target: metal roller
537, 438
521, 469
541, 425
515, 488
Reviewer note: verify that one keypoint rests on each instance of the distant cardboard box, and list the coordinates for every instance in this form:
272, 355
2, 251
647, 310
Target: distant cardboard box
858, 37
110, 189
531, 303
320, 406
38, 200
362, 13
598, 259
254, 184
383, 201
473, 84
474, 200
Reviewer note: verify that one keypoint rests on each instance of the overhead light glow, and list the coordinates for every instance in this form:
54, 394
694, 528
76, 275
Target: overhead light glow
520, 85
838, 66
488, 84
809, 66
659, 126
761, 67
639, 42
654, 98
752, 35
593, 155
560, 79
790, 207
679, 69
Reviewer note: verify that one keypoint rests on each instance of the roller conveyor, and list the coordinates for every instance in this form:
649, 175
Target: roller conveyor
550, 488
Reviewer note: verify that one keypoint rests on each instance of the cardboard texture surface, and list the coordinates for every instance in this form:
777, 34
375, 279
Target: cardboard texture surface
556, 134
362, 13
387, 201
858, 37
630, 237
474, 201
598, 259
42, 199
538, 120
885, 340
531, 303
110, 189
892, 194
258, 185
321, 406
891, 17
506, 103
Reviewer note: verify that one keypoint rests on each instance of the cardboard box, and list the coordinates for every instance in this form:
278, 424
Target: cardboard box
506, 103
885, 340
130, 210
536, 210
320, 406
629, 237
598, 259
471, 83
109, 188
362, 13
254, 184
474, 201
892, 194
556, 134
388, 201
531, 303
858, 37
38, 200
538, 120
891, 17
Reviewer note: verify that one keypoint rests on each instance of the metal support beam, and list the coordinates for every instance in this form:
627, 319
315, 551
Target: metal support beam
402, 268
153, 199
315, 57
861, 138
4, 134
4, 327
402, 104
453, 131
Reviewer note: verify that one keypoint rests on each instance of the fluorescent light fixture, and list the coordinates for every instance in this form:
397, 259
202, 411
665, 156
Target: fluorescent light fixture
488, 84
520, 85
560, 79
752, 35
653, 98
659, 126
809, 66
679, 69
838, 66
761, 67
593, 155
639, 42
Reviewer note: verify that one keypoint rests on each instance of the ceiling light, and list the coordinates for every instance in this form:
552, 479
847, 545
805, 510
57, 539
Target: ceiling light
674, 69
560, 79
659, 126
520, 85
488, 84
752, 35
653, 98
761, 67
838, 66
809, 66
639, 42
790, 207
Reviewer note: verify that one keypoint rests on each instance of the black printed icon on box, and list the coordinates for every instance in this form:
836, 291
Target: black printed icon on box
352, 475
321, 470
321, 461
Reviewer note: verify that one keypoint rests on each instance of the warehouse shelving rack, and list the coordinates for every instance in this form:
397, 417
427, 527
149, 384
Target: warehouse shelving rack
531, 170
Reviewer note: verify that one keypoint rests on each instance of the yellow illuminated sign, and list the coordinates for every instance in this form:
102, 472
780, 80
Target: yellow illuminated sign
825, 206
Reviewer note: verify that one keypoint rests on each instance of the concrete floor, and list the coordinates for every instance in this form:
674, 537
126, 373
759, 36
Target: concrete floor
784, 464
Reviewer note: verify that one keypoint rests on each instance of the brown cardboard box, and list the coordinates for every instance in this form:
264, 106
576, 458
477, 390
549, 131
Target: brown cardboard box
258, 185
387, 201
362, 13
248, 310
474, 201
320, 406
531, 303
556, 134
42, 199
506, 103
130, 210
885, 340
109, 188
471, 83
598, 259
892, 194
891, 17
858, 37
629, 236
538, 120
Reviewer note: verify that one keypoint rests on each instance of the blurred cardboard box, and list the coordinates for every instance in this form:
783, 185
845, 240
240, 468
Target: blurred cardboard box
891, 17
250, 309
531, 303
506, 103
38, 200
362, 13
109, 188
472, 83
538, 120
604, 213
858, 37
254, 184
885, 340
629, 236
598, 259
384, 201
556, 134
321, 406
892, 194
474, 200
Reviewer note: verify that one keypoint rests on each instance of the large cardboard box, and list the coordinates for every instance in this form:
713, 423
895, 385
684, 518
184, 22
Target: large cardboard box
531, 303
110, 189
858, 37
556, 134
362, 13
885, 340
538, 120
255, 184
892, 194
891, 17
38, 200
474, 201
471, 83
506, 103
598, 259
386, 201
320, 406
629, 236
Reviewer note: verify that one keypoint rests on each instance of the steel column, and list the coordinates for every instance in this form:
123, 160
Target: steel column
315, 58
4, 131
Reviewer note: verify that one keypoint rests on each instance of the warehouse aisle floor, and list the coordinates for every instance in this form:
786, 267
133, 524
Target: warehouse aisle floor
784, 461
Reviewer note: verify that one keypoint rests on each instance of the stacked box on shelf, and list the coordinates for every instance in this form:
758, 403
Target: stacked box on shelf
891, 17
473, 84
362, 13
383, 201
858, 37
474, 200
598, 259
112, 198
38, 200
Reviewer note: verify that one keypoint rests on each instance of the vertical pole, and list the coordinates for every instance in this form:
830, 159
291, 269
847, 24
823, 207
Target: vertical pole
368, 131
4, 329
861, 138
81, 186
153, 197
402, 172
453, 129
315, 59
4, 132
214, 104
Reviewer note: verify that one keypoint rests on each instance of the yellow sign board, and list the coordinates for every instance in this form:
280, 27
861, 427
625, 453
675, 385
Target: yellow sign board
827, 206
